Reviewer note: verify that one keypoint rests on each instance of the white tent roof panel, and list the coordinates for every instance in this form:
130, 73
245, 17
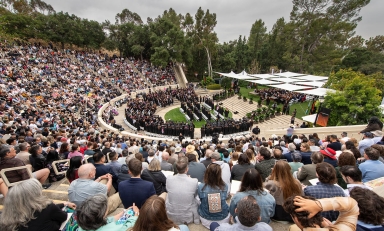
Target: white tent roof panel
263, 76
236, 76
313, 84
263, 82
288, 74
285, 80
289, 87
317, 91
312, 78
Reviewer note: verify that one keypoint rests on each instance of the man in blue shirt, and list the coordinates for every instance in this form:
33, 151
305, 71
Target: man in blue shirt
135, 190
366, 142
372, 168
325, 188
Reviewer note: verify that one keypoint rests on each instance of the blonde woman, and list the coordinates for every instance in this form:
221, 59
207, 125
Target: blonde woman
154, 175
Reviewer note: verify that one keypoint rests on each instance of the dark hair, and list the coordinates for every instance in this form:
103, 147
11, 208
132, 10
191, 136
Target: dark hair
52, 156
212, 177
251, 180
139, 156
375, 120
4, 150
74, 163
135, 166
248, 211
97, 156
154, 216
352, 171
371, 205
264, 152
64, 148
326, 173
243, 159
346, 158
302, 217
34, 149
349, 145
372, 153
112, 155
75, 146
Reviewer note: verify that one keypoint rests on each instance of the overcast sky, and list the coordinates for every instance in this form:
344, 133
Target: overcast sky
234, 18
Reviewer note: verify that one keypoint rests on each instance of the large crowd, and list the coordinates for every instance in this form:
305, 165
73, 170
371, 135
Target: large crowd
49, 107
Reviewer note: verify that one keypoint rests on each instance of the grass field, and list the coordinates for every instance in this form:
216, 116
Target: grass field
176, 115
300, 107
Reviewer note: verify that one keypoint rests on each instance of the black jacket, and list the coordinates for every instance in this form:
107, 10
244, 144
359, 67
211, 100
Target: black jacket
157, 178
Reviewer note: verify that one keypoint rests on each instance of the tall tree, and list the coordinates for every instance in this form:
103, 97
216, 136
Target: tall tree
257, 38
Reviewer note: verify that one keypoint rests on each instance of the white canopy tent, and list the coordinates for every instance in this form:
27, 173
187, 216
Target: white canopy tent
236, 76
312, 84
263, 76
317, 91
289, 87
263, 81
288, 74
285, 80
310, 118
312, 78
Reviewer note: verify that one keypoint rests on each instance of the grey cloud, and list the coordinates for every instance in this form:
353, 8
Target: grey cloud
234, 18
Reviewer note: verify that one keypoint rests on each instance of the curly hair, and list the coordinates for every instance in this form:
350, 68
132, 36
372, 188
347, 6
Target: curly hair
302, 217
370, 204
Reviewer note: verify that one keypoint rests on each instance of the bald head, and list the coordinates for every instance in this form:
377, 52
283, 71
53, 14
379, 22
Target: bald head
208, 153
87, 171
165, 156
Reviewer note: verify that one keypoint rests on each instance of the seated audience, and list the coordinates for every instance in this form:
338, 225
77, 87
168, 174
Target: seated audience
114, 163
306, 153
265, 164
135, 190
329, 156
241, 167
195, 169
346, 158
213, 193
85, 186
8, 160
181, 204
103, 169
225, 170
248, 217
353, 177
92, 215
25, 208
306, 213
252, 184
308, 171
282, 185
153, 174
73, 170
296, 164
371, 209
154, 217
164, 163
372, 168
326, 187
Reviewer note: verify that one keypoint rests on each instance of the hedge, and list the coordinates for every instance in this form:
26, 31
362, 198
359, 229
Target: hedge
214, 87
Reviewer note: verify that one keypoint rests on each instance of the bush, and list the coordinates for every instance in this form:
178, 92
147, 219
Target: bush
209, 81
214, 87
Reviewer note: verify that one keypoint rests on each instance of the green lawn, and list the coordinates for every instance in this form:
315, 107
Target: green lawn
176, 115
300, 107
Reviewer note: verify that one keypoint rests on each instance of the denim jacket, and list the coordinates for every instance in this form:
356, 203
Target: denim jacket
265, 201
204, 207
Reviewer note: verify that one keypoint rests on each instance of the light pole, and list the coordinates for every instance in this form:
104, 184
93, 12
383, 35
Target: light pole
321, 100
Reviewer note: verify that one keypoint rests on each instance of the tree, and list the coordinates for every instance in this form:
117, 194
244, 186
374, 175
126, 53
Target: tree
356, 100
321, 28
257, 38
376, 44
